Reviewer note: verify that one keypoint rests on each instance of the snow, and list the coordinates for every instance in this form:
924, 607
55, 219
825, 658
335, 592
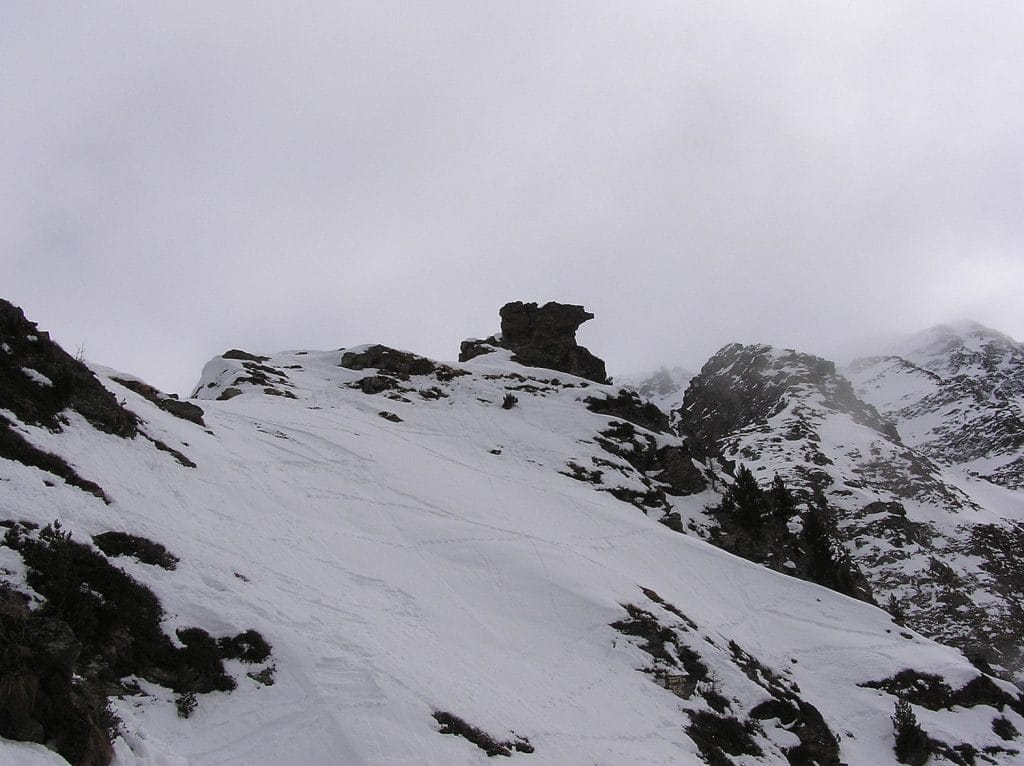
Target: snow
37, 377
400, 568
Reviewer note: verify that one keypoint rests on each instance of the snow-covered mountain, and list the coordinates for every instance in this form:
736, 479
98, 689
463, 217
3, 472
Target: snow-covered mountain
347, 556
936, 545
956, 393
664, 387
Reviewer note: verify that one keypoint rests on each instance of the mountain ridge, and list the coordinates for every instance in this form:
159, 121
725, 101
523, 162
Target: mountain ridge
412, 547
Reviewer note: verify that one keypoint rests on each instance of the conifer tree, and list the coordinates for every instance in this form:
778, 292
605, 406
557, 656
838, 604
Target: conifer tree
781, 500
746, 499
912, 744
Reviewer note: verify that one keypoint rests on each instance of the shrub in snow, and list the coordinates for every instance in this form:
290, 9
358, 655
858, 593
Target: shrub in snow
1004, 728
452, 724
146, 551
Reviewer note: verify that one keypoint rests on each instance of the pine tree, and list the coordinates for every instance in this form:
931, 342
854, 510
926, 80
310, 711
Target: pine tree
895, 609
781, 500
746, 499
912, 744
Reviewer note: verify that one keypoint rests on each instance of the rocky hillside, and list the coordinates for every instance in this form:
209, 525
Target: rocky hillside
940, 549
361, 555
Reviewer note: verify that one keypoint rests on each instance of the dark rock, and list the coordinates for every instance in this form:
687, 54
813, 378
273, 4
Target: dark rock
629, 406
376, 384
672, 465
167, 402
543, 336
400, 363
390, 416
183, 410
244, 356
472, 348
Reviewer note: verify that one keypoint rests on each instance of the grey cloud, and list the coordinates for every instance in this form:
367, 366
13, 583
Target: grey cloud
180, 179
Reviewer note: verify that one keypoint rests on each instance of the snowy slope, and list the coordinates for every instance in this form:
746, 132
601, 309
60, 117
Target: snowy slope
445, 562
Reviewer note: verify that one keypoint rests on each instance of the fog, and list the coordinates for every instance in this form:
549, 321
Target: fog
180, 179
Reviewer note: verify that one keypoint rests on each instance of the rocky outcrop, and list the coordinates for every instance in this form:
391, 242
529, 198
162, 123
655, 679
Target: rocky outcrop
542, 336
400, 364
167, 402
628, 405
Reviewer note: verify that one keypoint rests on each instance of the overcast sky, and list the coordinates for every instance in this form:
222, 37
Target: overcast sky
177, 179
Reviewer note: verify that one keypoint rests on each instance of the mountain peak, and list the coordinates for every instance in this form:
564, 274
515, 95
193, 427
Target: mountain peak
742, 385
954, 345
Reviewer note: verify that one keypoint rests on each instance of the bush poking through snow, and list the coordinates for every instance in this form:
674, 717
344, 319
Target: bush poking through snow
452, 724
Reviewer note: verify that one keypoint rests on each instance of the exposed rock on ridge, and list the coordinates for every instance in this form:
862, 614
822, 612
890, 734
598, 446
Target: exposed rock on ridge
542, 336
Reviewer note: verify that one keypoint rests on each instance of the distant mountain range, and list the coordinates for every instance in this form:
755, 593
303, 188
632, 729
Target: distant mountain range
365, 556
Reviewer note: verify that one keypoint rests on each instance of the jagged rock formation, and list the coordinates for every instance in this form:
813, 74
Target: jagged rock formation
912, 530
957, 395
542, 336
